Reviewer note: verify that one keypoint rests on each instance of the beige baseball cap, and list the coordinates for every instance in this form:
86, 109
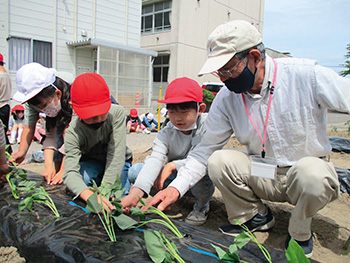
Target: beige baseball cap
227, 40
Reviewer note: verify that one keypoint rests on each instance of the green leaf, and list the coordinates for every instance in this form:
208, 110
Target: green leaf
242, 239
142, 202
27, 186
22, 174
221, 253
136, 211
295, 254
92, 204
233, 249
226, 256
155, 246
124, 222
118, 193
26, 203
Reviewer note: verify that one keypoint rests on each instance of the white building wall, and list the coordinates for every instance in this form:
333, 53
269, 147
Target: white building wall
191, 24
61, 21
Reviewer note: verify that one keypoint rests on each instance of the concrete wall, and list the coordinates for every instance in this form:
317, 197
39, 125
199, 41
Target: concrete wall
191, 23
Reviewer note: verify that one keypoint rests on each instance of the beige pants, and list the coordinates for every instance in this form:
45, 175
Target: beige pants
309, 185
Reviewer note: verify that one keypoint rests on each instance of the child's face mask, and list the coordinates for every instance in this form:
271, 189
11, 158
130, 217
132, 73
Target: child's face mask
52, 110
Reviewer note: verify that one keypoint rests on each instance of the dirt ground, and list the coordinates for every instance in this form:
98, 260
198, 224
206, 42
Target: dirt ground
331, 226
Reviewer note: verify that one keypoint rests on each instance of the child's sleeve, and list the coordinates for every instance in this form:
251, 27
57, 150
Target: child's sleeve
116, 147
153, 163
71, 177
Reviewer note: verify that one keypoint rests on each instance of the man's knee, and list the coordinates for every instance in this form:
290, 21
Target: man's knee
226, 160
314, 175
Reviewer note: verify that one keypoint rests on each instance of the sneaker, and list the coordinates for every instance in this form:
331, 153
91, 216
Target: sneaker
197, 217
146, 131
258, 222
307, 245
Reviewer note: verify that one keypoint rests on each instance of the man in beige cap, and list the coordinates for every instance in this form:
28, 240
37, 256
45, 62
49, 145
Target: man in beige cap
278, 109
5, 95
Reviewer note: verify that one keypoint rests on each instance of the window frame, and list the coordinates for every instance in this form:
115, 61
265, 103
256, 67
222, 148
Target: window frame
153, 13
15, 65
162, 66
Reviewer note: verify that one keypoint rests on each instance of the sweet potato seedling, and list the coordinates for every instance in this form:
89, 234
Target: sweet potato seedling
160, 249
38, 196
294, 252
112, 193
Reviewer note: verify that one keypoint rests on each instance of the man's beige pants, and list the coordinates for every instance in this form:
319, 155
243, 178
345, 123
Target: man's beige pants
309, 185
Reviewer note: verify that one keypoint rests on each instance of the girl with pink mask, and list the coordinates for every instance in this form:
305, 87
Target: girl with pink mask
41, 90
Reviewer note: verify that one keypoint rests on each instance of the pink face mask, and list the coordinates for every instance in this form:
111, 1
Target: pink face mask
52, 110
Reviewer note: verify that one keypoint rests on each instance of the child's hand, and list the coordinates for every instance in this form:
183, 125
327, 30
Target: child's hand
163, 175
57, 178
17, 157
132, 199
48, 174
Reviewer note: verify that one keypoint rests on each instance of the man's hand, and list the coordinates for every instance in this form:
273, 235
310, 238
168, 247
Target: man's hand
132, 199
164, 198
163, 175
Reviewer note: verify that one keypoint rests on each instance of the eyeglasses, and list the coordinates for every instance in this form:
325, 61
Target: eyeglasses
227, 73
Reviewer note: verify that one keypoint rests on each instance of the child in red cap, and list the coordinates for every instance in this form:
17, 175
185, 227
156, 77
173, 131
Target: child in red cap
183, 99
16, 123
95, 142
133, 123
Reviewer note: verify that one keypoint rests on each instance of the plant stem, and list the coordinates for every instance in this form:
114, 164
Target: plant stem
160, 213
110, 237
164, 223
172, 251
262, 248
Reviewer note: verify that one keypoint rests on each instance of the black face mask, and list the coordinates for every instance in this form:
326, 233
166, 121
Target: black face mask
243, 82
94, 126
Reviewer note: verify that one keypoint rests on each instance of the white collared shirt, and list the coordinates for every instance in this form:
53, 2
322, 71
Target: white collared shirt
297, 125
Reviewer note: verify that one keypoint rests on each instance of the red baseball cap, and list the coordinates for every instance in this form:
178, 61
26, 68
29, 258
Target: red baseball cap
183, 90
17, 107
90, 95
133, 113
1, 58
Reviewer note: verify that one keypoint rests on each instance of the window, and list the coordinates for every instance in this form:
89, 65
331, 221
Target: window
161, 68
23, 51
156, 17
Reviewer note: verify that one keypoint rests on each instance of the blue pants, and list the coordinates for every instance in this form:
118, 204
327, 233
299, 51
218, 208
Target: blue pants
94, 170
202, 191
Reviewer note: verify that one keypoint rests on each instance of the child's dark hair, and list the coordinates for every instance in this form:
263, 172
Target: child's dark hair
183, 105
65, 114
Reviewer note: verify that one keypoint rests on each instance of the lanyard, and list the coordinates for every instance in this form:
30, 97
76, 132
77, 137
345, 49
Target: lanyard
268, 111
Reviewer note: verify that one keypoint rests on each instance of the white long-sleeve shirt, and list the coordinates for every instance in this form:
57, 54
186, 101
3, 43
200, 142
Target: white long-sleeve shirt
170, 144
297, 125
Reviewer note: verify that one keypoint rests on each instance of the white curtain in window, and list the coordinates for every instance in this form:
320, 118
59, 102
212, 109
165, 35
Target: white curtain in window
19, 52
42, 53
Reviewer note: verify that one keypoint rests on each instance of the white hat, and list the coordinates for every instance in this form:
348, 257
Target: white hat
31, 79
163, 112
66, 76
227, 40
150, 116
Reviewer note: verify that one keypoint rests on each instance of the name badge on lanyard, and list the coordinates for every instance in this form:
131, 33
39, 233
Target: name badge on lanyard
263, 166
